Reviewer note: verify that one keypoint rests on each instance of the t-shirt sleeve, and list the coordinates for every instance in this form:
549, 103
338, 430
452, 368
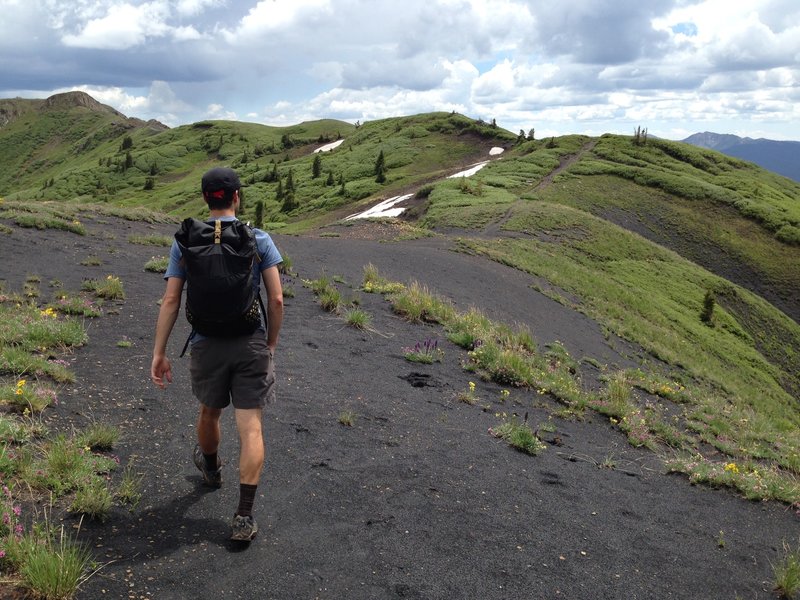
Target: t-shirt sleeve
174, 268
270, 256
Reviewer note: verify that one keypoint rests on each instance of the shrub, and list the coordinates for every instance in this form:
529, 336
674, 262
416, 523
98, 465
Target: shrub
707, 313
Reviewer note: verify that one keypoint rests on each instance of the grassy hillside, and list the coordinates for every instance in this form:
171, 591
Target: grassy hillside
74, 153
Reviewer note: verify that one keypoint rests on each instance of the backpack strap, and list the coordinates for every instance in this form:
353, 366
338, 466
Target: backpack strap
189, 339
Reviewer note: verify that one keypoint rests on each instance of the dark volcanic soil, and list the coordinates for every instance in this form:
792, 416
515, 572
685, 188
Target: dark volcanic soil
416, 499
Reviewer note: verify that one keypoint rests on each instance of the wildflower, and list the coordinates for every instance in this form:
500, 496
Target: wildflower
2, 553
48, 312
6, 519
732, 468
17, 510
472, 386
21, 383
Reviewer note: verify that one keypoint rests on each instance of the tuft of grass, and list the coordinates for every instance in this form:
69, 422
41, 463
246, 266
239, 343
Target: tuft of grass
53, 569
98, 437
285, 266
375, 283
130, 487
110, 288
358, 318
330, 300
71, 304
151, 240
416, 304
347, 418
426, 353
93, 500
27, 398
787, 573
519, 435
157, 264
91, 261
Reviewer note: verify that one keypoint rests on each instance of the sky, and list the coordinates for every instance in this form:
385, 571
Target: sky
675, 67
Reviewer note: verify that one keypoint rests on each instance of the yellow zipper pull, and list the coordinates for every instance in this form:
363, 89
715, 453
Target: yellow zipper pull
217, 231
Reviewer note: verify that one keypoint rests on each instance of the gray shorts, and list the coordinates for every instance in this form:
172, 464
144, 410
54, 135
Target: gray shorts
237, 369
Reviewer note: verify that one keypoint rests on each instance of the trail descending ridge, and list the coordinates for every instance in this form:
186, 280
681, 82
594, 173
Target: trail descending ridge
494, 229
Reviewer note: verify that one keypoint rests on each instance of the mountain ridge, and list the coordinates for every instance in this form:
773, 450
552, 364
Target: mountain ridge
782, 157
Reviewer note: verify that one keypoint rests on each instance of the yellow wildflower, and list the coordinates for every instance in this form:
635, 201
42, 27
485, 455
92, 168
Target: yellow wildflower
732, 468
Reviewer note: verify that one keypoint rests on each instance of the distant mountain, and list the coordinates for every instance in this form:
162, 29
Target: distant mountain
781, 157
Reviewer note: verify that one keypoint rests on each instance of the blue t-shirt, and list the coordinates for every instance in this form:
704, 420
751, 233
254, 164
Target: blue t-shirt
270, 256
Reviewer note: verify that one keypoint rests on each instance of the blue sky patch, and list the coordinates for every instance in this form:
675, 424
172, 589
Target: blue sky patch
689, 29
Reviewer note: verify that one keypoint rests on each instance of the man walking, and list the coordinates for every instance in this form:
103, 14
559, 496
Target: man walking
226, 368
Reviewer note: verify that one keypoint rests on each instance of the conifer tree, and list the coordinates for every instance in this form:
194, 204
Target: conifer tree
380, 168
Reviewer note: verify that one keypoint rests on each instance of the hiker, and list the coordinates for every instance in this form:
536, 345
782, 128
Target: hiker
231, 357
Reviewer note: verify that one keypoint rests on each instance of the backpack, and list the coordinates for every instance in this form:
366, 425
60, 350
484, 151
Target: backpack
221, 300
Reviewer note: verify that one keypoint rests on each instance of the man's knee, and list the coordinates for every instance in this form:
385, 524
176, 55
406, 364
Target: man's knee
209, 414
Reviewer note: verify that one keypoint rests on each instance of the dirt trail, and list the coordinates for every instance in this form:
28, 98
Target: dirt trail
494, 229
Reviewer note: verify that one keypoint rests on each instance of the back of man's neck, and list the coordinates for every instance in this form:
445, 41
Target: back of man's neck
216, 214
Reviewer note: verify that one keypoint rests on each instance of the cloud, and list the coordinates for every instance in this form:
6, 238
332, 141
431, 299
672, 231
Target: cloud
600, 32
123, 26
572, 64
160, 102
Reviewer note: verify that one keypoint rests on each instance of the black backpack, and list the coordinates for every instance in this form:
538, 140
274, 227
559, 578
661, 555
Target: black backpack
221, 300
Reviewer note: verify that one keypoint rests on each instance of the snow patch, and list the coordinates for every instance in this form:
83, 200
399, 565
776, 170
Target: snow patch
496, 150
329, 147
384, 209
469, 172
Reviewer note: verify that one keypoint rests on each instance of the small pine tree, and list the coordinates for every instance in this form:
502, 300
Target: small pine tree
127, 142
154, 169
290, 182
260, 214
316, 167
279, 191
329, 181
128, 160
380, 168
273, 175
532, 134
707, 313
149, 183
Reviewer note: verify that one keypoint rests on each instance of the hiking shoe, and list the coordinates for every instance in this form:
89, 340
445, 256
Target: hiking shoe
210, 478
243, 529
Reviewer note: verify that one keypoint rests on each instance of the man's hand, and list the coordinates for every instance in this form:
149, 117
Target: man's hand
161, 371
